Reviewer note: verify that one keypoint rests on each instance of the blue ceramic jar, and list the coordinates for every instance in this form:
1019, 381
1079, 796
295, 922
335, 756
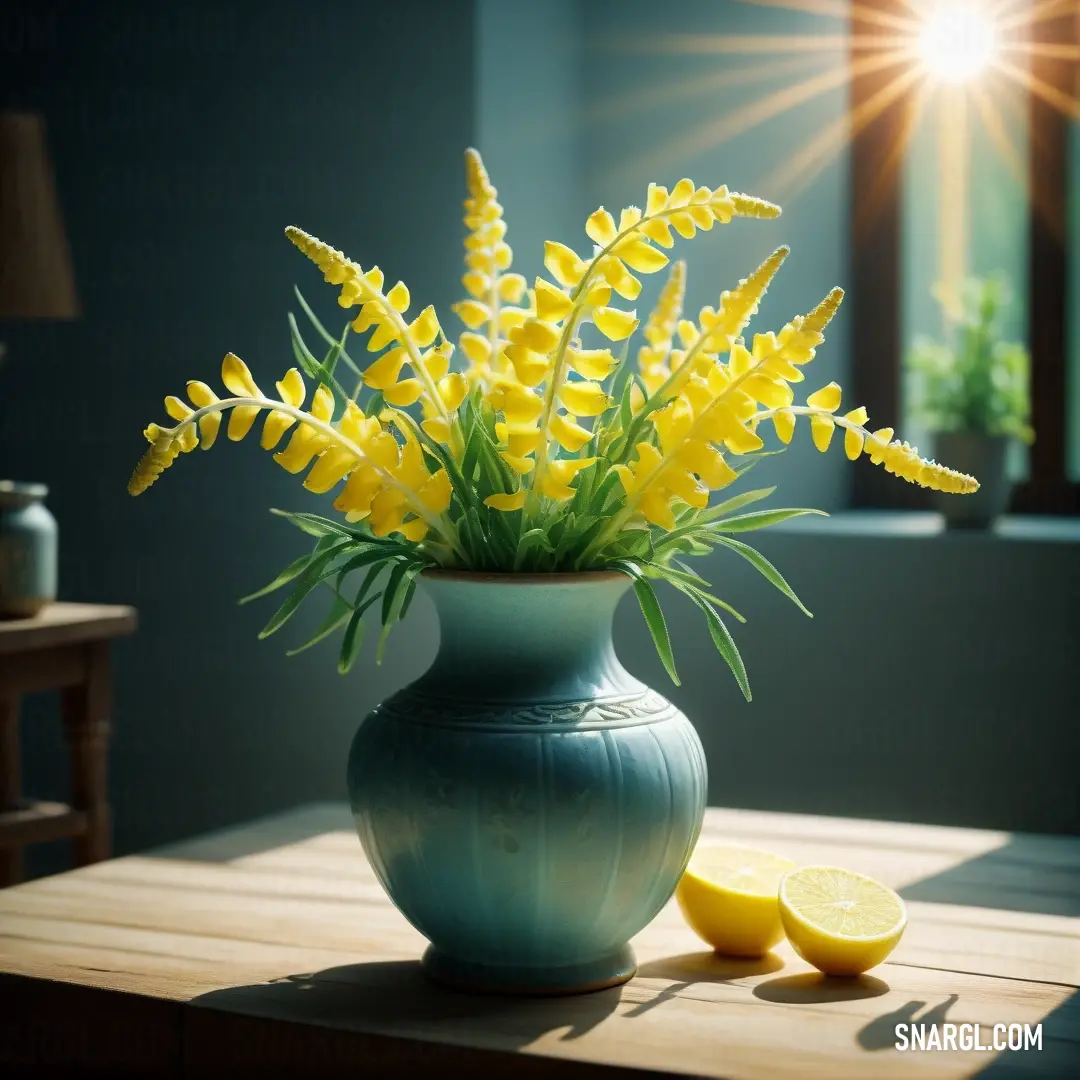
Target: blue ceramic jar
28, 552
528, 805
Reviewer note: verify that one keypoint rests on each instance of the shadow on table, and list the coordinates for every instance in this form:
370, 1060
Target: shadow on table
687, 969
813, 988
1038, 874
395, 998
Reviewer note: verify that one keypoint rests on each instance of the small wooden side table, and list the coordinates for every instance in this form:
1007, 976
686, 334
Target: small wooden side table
66, 648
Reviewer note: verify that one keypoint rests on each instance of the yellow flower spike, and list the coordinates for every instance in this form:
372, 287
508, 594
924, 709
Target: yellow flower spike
453, 389
610, 270
564, 264
414, 530
591, 363
537, 335
708, 463
476, 283
477, 349
291, 391
383, 373
404, 393
472, 313
512, 288
330, 468
656, 508
436, 492
584, 398
741, 206
784, 423
853, 438
179, 410
507, 503
162, 453
642, 257
569, 435
355, 497
615, 325
201, 396
530, 367
552, 304
601, 227
425, 329
378, 310
398, 297
878, 443
438, 428
522, 465
827, 398
237, 379
821, 429
559, 474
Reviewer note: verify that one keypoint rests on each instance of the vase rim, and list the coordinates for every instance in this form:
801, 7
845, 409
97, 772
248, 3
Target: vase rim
576, 577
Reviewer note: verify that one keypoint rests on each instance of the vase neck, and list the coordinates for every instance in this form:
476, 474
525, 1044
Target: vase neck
508, 639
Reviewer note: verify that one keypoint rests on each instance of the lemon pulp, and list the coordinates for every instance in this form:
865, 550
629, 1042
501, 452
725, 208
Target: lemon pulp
841, 922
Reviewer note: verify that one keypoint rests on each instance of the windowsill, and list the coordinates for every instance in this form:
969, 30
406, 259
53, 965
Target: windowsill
916, 523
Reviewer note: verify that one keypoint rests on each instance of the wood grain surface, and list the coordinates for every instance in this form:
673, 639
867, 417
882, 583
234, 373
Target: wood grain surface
271, 948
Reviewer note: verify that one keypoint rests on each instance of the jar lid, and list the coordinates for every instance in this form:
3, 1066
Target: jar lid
15, 493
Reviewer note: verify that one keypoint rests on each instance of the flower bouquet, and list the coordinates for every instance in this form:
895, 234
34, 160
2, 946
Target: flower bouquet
527, 803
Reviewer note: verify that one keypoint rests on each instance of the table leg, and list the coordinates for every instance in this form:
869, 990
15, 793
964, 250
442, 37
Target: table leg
86, 725
11, 860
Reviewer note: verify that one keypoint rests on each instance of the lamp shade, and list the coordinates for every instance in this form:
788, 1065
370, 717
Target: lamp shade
36, 278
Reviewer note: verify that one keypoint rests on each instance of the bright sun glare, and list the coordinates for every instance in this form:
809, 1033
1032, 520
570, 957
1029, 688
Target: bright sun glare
957, 42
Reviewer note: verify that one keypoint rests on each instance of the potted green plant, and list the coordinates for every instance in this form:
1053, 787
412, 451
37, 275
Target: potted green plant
527, 803
971, 391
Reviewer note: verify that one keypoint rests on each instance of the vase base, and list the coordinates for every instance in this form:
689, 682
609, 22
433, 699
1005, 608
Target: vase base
600, 974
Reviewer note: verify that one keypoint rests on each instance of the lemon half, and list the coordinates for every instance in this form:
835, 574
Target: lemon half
841, 922
728, 895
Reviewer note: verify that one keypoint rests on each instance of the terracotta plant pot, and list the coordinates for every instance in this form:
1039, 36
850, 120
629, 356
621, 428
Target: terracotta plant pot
985, 458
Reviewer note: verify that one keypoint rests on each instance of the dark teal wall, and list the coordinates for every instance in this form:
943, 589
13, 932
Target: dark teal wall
936, 681
185, 137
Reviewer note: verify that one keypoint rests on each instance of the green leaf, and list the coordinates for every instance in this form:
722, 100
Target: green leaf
323, 332
688, 584
314, 525
397, 587
365, 585
766, 569
531, 540
304, 356
726, 647
338, 615
307, 581
375, 554
759, 519
290, 573
354, 636
654, 616
730, 505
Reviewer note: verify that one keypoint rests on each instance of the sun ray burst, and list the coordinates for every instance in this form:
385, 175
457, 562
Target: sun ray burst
739, 121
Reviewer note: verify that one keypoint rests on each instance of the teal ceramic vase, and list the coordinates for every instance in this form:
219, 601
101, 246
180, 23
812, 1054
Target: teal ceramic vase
527, 804
28, 550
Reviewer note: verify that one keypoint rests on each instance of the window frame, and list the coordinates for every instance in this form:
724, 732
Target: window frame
876, 262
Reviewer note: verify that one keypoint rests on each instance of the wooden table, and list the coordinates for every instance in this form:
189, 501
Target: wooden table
65, 647
271, 948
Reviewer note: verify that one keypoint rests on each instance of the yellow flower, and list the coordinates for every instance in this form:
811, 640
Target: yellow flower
386, 482
383, 314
